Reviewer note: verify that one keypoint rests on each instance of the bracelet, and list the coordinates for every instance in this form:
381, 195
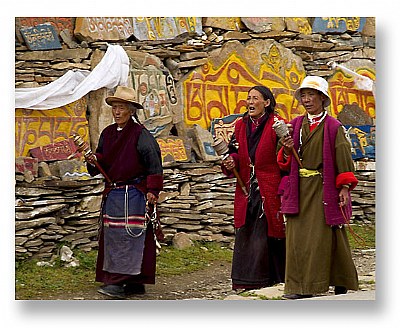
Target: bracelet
346, 186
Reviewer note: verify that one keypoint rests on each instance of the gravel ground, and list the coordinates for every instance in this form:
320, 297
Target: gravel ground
214, 283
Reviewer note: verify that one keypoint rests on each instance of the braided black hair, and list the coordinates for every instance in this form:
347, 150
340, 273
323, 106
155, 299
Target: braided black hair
133, 108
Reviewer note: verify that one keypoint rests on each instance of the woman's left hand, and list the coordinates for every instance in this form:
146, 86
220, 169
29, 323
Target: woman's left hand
151, 198
344, 196
229, 163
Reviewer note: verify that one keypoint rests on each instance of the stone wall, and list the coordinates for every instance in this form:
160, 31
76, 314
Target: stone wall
53, 211
196, 69
197, 199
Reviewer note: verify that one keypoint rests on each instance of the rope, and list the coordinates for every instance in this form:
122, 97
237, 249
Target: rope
153, 220
358, 239
126, 210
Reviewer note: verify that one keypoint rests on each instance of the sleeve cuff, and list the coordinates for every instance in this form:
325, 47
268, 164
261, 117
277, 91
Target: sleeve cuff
284, 163
346, 178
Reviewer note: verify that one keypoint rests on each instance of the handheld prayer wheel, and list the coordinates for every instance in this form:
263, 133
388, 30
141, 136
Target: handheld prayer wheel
282, 130
221, 147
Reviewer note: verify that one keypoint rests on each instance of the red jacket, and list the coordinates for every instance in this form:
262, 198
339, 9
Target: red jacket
268, 175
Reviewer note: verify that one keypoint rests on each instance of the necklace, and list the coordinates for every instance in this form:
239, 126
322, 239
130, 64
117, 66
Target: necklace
256, 121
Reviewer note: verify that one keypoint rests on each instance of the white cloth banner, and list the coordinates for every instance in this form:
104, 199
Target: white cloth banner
113, 70
360, 82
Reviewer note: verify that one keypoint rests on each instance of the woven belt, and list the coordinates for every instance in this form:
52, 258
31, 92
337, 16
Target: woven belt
306, 173
122, 184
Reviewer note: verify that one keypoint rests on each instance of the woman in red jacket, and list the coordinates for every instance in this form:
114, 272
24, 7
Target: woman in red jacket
259, 252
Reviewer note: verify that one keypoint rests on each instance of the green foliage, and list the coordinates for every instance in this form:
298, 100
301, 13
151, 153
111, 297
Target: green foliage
35, 282
172, 261
361, 236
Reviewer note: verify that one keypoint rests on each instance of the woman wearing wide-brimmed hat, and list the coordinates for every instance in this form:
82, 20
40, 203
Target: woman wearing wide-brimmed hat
316, 199
131, 158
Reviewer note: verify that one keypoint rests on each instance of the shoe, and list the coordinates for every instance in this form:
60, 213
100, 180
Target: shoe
296, 296
131, 289
114, 291
340, 290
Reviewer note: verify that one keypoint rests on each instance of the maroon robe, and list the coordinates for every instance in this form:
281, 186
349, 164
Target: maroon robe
130, 156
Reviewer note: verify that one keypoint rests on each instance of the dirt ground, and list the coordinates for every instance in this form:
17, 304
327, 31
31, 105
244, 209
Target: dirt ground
213, 283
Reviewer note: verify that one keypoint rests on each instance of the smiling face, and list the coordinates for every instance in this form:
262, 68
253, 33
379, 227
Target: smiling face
256, 104
312, 100
122, 112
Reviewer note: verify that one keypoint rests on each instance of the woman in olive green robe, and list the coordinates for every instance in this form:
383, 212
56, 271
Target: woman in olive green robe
317, 254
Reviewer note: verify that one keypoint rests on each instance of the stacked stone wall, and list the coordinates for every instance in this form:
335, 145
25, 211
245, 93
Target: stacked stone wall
197, 200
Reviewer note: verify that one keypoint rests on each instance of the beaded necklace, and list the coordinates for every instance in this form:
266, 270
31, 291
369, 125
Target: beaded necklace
256, 121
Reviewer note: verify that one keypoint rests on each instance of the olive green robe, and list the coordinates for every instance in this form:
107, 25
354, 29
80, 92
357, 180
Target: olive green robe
318, 255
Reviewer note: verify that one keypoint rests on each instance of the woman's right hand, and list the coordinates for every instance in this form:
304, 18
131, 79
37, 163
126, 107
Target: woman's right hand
91, 158
229, 163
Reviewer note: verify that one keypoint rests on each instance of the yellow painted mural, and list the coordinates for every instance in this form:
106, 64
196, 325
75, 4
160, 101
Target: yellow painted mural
343, 91
34, 128
303, 24
351, 23
214, 92
174, 148
160, 28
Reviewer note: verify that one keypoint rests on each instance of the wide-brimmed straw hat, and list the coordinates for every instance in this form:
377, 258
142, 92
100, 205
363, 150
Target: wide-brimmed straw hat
125, 94
317, 83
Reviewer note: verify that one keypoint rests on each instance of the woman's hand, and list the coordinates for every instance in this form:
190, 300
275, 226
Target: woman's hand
344, 196
91, 159
288, 144
229, 163
151, 198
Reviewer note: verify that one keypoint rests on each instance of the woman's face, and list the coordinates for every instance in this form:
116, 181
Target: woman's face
121, 112
312, 100
256, 104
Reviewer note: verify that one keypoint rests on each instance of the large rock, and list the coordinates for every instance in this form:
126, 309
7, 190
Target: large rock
103, 28
90, 203
225, 23
308, 45
203, 142
100, 114
165, 28
32, 223
69, 170
181, 240
298, 24
156, 92
38, 212
354, 115
264, 24
76, 54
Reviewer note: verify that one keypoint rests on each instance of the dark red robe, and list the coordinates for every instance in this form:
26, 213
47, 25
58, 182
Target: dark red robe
128, 156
